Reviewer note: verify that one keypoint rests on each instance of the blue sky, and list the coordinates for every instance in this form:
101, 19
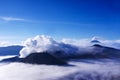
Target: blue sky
20, 19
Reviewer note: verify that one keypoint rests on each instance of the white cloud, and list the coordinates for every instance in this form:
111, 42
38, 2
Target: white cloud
11, 18
9, 43
81, 70
45, 43
4, 43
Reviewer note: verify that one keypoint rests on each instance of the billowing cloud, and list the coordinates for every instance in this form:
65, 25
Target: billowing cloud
68, 46
11, 18
45, 43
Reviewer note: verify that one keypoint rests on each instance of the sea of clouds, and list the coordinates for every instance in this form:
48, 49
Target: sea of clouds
81, 69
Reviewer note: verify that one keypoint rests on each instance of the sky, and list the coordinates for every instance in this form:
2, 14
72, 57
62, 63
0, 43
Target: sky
21, 19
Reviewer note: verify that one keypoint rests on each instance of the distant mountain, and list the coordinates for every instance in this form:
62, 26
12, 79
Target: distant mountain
99, 51
93, 52
95, 41
10, 50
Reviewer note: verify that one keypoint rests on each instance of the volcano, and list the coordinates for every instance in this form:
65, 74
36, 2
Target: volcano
42, 58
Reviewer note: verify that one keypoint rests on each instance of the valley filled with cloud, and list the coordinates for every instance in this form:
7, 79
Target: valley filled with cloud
87, 59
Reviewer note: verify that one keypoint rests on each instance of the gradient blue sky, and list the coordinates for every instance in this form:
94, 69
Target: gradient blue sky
20, 19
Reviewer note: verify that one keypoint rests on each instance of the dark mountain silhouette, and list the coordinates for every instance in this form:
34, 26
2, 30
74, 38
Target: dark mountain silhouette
43, 58
112, 52
99, 51
12, 59
94, 52
95, 41
37, 58
10, 50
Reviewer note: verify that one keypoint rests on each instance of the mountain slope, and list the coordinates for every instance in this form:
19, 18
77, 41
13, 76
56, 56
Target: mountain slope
99, 51
10, 50
42, 58
94, 51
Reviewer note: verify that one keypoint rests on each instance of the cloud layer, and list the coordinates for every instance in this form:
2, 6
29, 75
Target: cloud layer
5, 43
81, 70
